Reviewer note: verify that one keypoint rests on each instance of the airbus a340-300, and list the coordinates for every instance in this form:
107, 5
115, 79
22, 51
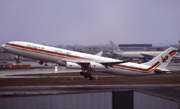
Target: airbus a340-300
88, 62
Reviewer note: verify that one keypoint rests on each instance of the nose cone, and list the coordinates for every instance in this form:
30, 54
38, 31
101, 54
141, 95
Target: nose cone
3, 46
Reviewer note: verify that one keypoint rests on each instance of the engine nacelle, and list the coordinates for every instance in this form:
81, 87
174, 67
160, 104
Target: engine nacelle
94, 65
178, 51
72, 65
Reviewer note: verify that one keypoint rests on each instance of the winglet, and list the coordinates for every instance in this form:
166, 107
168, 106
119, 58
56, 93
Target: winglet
99, 54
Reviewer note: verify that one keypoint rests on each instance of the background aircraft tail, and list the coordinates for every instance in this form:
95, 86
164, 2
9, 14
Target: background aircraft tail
163, 59
115, 47
179, 49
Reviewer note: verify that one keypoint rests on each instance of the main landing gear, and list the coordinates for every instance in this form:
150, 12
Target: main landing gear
87, 75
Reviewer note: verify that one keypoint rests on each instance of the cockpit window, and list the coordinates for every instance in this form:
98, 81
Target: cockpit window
8, 44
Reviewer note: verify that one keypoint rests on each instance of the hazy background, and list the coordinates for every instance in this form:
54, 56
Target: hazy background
90, 22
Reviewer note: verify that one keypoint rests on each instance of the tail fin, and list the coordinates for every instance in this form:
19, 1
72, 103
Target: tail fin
179, 49
163, 59
115, 47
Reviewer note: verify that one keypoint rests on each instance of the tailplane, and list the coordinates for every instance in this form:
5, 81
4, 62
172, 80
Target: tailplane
115, 47
163, 59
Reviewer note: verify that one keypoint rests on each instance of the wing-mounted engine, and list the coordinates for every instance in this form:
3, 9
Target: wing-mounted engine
88, 67
94, 65
72, 65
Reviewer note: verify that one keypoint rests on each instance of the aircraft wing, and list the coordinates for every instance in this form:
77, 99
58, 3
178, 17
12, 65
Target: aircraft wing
110, 63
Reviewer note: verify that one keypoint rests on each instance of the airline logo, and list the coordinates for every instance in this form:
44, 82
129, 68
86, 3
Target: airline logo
165, 58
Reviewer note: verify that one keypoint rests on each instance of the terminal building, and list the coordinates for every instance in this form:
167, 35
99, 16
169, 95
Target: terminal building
140, 47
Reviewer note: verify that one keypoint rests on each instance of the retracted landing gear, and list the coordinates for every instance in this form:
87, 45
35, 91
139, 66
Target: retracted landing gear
87, 75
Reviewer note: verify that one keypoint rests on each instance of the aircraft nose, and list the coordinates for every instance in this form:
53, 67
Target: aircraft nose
3, 46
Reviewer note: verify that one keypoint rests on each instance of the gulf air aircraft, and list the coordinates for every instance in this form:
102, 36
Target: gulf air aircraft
88, 62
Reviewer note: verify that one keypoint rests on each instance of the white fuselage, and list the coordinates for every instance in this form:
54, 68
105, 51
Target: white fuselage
61, 56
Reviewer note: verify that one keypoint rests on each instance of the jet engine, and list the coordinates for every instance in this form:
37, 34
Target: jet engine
72, 65
94, 65
179, 51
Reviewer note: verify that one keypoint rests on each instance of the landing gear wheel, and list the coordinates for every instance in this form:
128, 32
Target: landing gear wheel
86, 75
82, 73
91, 78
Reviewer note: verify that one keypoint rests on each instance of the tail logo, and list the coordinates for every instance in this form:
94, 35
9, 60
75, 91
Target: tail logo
165, 58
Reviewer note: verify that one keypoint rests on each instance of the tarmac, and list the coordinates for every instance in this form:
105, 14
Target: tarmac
44, 80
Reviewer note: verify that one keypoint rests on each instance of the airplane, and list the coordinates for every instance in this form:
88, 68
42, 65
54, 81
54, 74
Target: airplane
141, 55
88, 62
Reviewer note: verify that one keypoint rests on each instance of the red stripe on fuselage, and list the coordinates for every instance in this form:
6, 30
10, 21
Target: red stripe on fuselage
138, 69
46, 52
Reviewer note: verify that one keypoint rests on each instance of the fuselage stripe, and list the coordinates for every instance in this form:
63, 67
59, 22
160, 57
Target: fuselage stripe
138, 69
62, 55
124, 68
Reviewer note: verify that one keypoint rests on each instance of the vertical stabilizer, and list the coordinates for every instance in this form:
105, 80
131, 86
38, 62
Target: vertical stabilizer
115, 47
163, 59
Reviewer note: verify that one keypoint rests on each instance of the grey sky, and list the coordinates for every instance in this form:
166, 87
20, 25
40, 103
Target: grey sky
89, 22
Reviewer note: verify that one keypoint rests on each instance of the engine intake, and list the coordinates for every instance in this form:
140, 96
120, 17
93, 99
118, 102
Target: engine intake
178, 51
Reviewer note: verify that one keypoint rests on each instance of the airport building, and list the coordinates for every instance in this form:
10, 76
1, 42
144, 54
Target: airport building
140, 47
121, 99
144, 47
135, 47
